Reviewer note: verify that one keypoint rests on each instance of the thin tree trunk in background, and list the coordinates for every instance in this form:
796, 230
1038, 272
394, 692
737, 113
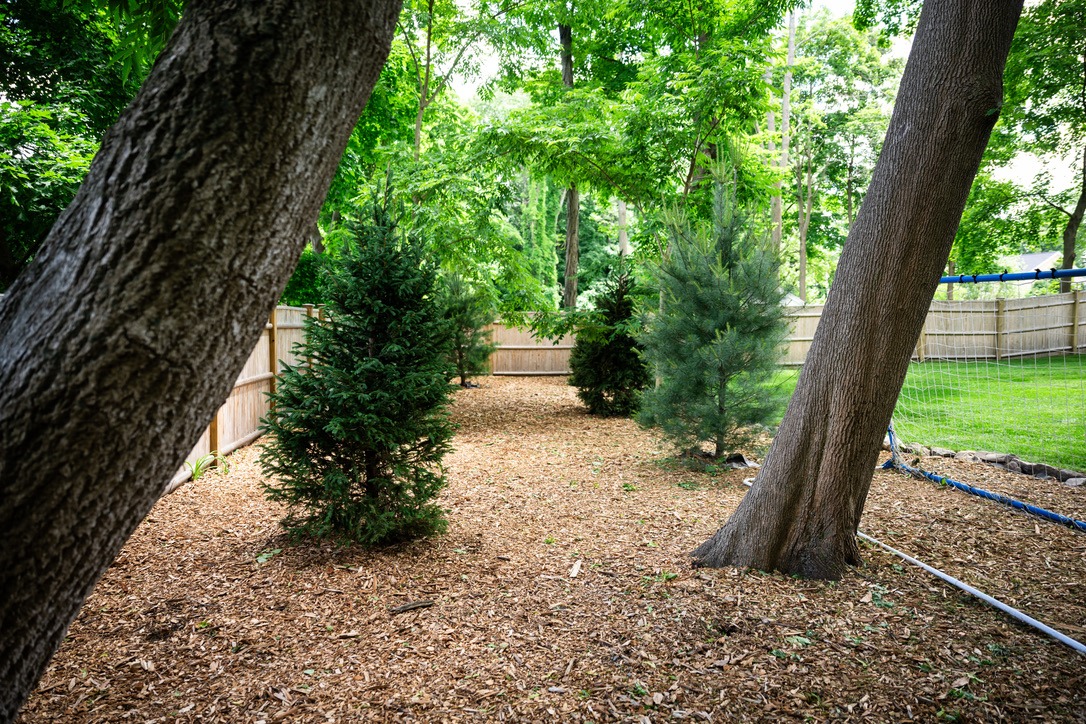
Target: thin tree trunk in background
107, 373
1070, 232
804, 209
786, 96
573, 207
424, 81
623, 236
315, 239
776, 220
569, 297
950, 287
786, 120
801, 515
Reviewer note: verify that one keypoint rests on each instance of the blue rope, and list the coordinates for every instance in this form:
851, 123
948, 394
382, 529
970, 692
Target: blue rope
895, 461
1015, 276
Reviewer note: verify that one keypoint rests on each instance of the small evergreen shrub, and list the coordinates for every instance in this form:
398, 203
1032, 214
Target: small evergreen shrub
606, 365
468, 312
354, 443
717, 339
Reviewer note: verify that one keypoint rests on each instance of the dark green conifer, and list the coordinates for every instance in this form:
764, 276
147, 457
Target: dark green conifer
354, 442
468, 312
606, 365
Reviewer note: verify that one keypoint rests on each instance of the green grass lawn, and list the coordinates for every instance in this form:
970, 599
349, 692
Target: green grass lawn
1035, 409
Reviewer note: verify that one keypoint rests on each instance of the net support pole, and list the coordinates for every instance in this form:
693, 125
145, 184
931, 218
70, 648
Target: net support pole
993, 602
961, 585
1001, 313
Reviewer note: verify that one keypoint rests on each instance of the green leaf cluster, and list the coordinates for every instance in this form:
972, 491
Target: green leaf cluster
355, 438
43, 159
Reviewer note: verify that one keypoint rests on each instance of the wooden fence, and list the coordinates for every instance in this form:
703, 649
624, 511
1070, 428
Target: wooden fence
519, 353
237, 422
967, 329
983, 329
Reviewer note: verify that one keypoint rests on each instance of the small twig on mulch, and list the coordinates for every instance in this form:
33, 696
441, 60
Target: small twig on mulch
409, 607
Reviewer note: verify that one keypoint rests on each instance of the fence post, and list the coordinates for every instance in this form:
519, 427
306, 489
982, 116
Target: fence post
213, 435
273, 355
922, 343
1001, 310
309, 313
1076, 319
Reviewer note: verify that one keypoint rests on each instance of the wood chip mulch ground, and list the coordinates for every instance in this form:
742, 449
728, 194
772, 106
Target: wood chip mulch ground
563, 591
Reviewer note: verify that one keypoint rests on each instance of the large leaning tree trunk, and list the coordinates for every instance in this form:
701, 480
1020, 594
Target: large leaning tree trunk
801, 515
125, 334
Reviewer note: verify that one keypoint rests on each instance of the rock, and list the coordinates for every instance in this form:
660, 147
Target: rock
942, 452
739, 461
1075, 482
967, 456
1040, 469
1015, 466
921, 451
994, 458
1066, 475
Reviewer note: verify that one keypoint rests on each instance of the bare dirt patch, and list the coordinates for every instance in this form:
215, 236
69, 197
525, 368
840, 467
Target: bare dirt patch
563, 592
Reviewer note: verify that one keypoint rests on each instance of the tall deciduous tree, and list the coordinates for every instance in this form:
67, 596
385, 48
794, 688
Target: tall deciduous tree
802, 513
107, 372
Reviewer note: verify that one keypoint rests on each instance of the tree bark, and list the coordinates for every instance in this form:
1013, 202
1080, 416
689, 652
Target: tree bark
126, 332
1070, 232
573, 204
802, 513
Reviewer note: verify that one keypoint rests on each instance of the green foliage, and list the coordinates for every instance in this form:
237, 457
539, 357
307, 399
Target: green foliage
606, 365
43, 159
467, 312
717, 338
999, 220
55, 52
355, 442
1045, 103
306, 284
388, 119
213, 460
